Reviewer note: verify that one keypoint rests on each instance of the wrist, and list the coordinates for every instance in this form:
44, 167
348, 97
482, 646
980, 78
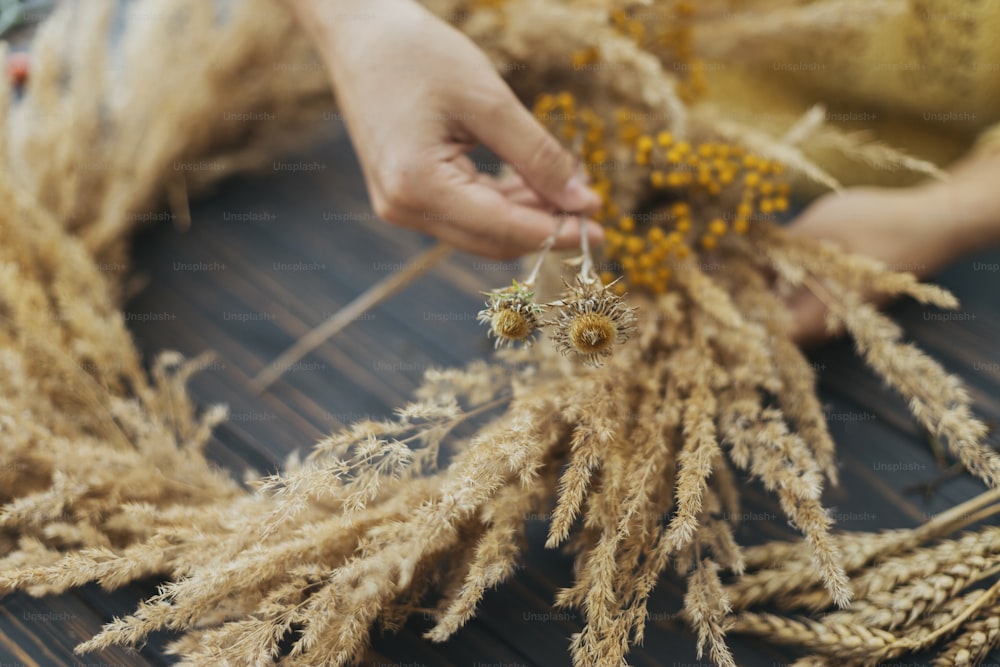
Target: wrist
966, 209
346, 32
334, 23
321, 19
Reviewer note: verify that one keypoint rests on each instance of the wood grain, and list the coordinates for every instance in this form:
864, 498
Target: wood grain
247, 288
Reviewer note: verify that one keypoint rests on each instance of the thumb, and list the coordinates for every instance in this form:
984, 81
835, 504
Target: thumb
511, 131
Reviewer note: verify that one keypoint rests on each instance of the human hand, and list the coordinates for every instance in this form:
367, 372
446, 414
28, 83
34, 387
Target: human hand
416, 95
904, 228
919, 229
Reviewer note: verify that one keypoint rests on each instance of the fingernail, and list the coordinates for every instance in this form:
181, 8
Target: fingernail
577, 196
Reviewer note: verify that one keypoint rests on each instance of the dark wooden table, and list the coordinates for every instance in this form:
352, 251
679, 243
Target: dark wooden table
272, 255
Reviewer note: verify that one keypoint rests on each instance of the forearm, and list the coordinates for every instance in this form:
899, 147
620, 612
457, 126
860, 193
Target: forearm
355, 41
416, 95
320, 18
339, 27
968, 204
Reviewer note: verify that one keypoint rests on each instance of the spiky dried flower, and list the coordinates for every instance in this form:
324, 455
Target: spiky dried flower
512, 314
591, 321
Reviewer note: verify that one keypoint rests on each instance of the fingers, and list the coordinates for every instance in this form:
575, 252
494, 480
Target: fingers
569, 234
514, 189
484, 221
506, 127
477, 217
508, 183
463, 239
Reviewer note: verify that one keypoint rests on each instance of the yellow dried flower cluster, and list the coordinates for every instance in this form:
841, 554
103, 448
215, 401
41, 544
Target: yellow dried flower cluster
725, 184
669, 34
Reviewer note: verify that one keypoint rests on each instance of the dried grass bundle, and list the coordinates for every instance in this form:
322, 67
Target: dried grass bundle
912, 589
90, 442
635, 460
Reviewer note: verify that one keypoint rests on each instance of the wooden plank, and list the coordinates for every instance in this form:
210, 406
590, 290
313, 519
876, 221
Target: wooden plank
317, 247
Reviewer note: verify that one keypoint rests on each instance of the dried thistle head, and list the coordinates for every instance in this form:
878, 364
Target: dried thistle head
591, 321
512, 314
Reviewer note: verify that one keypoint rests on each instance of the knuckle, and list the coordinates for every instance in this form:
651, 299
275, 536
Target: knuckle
489, 99
382, 207
401, 188
390, 211
549, 160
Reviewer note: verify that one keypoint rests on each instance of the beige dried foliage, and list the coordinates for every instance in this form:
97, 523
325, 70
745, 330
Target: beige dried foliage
845, 640
918, 565
973, 646
905, 604
102, 476
95, 452
707, 606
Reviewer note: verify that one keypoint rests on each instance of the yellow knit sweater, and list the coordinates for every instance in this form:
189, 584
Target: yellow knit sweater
922, 75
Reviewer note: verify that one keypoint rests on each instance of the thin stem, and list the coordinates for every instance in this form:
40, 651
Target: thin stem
365, 301
546, 247
587, 273
982, 514
461, 418
988, 596
581, 170
958, 516
820, 291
